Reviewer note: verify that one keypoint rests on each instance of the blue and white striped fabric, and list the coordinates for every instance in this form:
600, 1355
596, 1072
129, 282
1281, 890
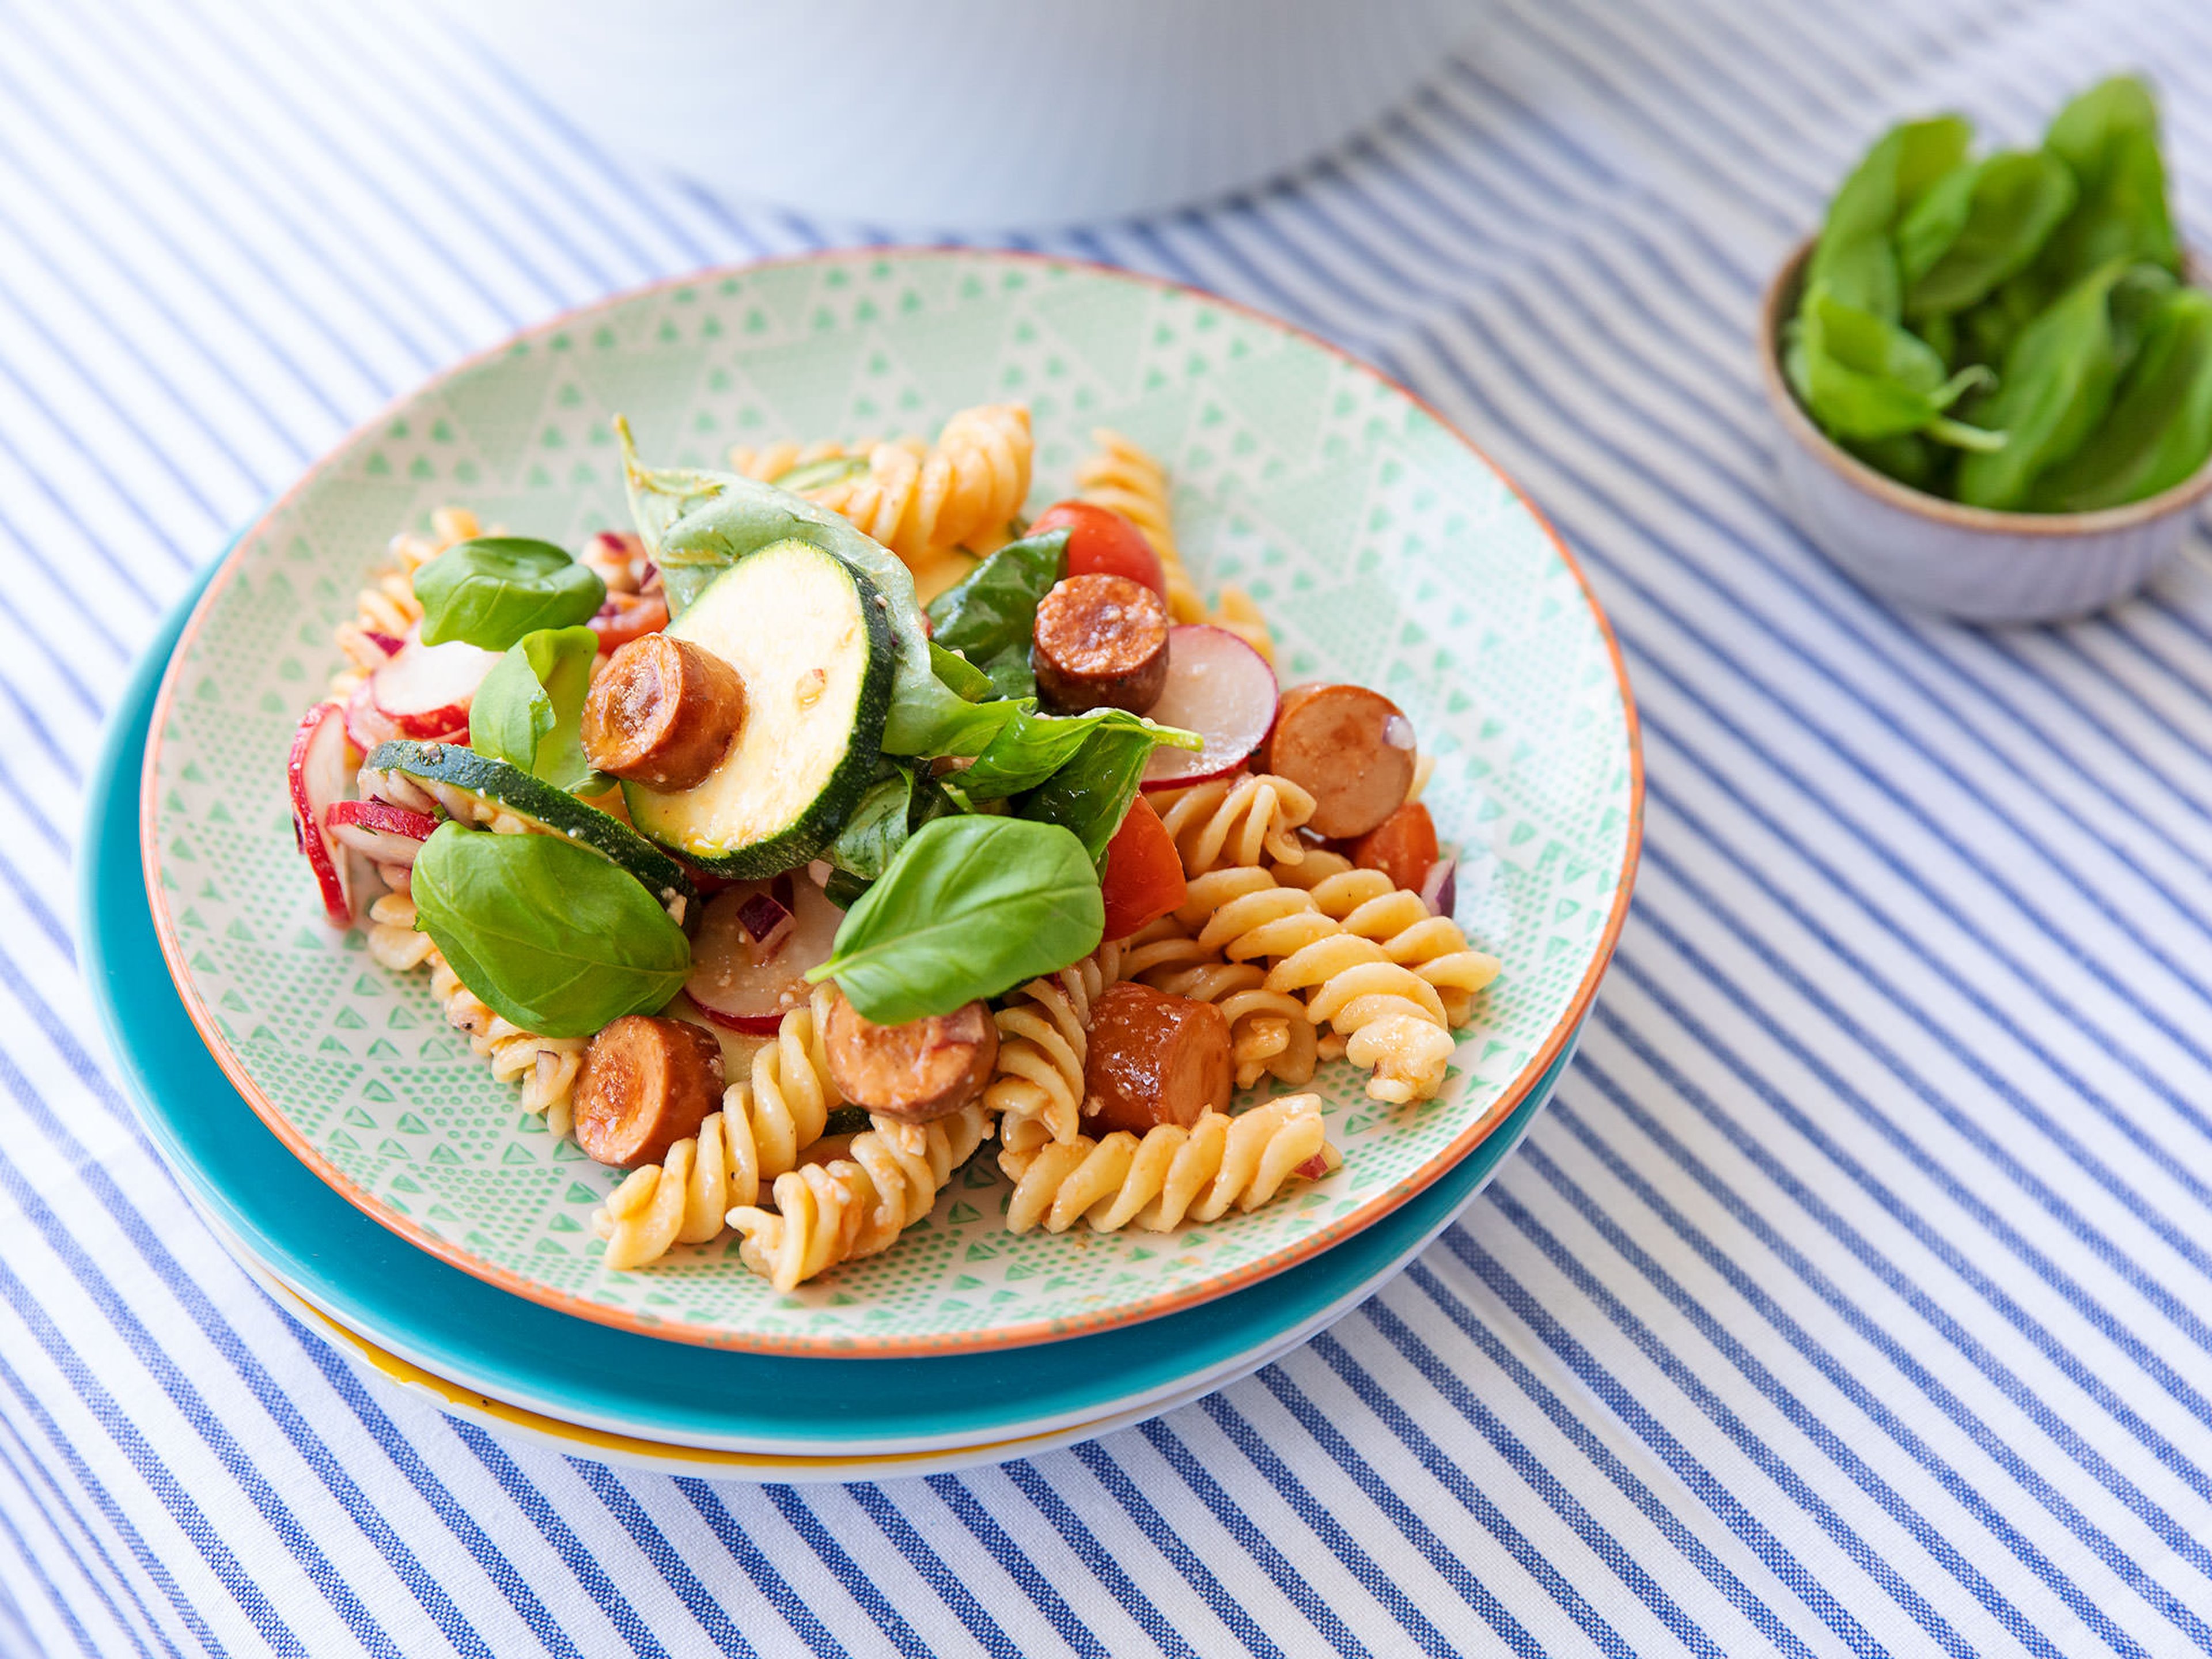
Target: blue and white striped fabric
1855, 1295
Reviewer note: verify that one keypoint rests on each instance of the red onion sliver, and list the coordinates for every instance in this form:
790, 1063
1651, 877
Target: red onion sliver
383, 642
1440, 887
766, 921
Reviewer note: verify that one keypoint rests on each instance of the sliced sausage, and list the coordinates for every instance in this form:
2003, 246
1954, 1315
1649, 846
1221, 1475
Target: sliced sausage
647, 1083
1101, 642
1403, 847
1154, 1058
662, 713
1350, 748
917, 1073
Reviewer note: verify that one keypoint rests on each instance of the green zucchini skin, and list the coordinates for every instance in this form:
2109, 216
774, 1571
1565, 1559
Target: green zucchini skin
795, 772
509, 788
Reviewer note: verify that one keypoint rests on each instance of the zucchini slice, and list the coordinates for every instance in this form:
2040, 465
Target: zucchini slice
809, 636
478, 790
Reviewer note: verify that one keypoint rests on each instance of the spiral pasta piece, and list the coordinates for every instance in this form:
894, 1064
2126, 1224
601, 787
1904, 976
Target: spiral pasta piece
1237, 613
841, 1208
963, 491
1036, 1089
1245, 914
768, 1123
1370, 904
1171, 1175
545, 1066
1246, 818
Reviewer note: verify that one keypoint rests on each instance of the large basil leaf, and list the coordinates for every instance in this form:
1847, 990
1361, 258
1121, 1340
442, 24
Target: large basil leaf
971, 907
2058, 383
1089, 796
2160, 430
993, 609
696, 524
2012, 200
2108, 139
553, 938
1855, 259
493, 590
529, 710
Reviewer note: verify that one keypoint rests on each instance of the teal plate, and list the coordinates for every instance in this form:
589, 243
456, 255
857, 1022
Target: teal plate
472, 1333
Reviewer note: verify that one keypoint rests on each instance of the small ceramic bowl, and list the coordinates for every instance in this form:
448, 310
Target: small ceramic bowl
1967, 562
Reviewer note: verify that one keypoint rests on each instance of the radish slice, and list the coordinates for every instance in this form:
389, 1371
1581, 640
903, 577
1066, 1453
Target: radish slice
425, 689
386, 833
1223, 689
317, 773
746, 983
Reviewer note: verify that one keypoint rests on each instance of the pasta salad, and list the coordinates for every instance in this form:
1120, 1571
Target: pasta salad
836, 820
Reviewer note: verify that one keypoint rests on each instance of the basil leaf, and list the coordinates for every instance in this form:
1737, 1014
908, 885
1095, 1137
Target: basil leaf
696, 524
1866, 379
493, 590
2058, 381
893, 808
529, 710
994, 608
971, 908
2013, 202
2107, 137
1855, 259
1011, 674
1089, 796
553, 938
2160, 430
970, 682
1032, 747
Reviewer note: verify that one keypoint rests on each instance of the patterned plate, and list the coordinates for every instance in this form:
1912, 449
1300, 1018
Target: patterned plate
1382, 547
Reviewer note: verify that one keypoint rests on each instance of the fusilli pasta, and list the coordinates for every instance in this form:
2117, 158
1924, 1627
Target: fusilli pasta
838, 1209
1171, 1175
963, 491
1036, 1089
767, 1122
545, 1066
1370, 904
1246, 818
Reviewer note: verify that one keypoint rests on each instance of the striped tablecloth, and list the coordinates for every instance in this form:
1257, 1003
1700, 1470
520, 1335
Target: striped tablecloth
1855, 1295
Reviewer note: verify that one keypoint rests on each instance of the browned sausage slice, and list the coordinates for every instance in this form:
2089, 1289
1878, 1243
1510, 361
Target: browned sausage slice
1350, 748
917, 1072
647, 1084
1403, 847
662, 713
1102, 642
1154, 1058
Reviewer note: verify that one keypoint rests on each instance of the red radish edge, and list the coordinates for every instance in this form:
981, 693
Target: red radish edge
750, 1024
425, 689
1220, 688
379, 830
316, 772
386, 643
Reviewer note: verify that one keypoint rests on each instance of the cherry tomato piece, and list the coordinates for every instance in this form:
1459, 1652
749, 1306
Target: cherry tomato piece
1403, 847
1144, 876
1101, 542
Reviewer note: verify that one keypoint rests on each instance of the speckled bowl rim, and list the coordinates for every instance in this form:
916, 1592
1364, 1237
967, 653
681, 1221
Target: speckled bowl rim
1262, 1267
2078, 527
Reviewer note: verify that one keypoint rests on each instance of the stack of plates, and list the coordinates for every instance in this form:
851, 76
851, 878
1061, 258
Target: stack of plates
487, 1313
